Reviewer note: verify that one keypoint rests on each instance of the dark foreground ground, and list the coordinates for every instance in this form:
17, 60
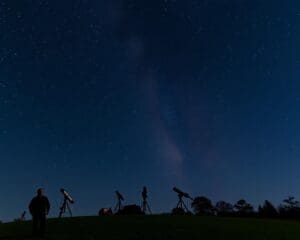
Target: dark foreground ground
158, 227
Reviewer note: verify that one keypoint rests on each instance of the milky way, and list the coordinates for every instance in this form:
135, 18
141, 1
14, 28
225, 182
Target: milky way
103, 95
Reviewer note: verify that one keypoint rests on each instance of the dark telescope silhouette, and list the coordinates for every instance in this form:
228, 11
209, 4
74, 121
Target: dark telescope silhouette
145, 205
65, 205
181, 193
120, 198
180, 204
67, 195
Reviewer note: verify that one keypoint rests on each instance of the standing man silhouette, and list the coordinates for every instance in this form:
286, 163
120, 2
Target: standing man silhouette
39, 208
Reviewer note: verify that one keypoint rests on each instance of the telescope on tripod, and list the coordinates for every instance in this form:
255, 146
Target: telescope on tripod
120, 198
181, 195
145, 205
66, 203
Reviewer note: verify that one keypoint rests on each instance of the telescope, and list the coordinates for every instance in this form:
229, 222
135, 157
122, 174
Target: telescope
145, 193
67, 195
145, 205
181, 193
65, 205
119, 202
23, 216
119, 196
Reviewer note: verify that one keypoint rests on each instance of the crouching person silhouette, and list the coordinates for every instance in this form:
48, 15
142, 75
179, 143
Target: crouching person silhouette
39, 208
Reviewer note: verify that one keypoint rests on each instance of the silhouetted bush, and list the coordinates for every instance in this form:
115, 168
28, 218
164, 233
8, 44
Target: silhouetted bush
224, 209
267, 210
178, 211
202, 206
131, 210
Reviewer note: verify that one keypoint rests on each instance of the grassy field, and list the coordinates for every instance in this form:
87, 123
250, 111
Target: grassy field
158, 227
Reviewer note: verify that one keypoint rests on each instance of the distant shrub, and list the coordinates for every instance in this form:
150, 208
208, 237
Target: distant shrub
202, 206
131, 210
290, 208
244, 209
178, 211
223, 208
267, 210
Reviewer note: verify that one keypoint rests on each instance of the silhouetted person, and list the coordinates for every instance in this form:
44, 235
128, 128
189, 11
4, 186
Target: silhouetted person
39, 208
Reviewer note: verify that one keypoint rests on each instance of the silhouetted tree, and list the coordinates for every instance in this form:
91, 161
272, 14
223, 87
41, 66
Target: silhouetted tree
202, 206
267, 210
224, 208
290, 202
243, 208
290, 208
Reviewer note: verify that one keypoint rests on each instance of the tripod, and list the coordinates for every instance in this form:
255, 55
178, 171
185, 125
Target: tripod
118, 205
65, 205
181, 203
23, 218
145, 206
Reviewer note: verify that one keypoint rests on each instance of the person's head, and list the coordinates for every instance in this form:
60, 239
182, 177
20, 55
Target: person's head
40, 192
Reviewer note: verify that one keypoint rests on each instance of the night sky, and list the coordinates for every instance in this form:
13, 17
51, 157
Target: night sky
105, 95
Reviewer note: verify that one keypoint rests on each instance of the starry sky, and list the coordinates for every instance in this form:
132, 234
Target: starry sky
100, 95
